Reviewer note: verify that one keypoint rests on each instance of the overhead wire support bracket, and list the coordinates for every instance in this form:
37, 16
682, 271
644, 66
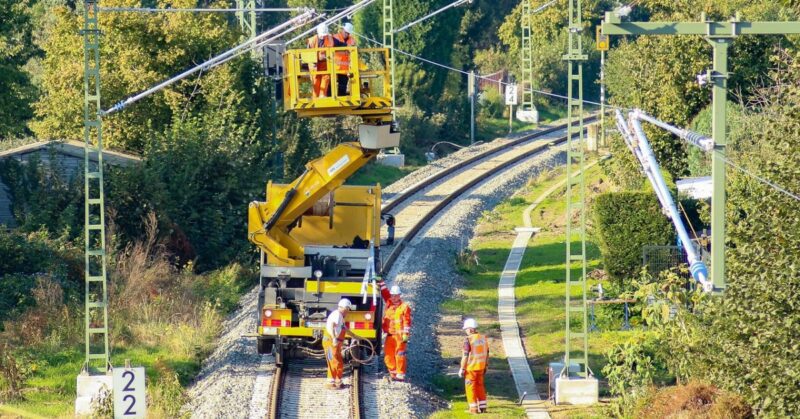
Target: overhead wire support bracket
720, 35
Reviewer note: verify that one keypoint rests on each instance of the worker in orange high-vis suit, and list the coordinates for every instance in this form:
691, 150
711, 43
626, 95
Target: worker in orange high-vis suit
474, 361
341, 59
397, 329
322, 39
332, 340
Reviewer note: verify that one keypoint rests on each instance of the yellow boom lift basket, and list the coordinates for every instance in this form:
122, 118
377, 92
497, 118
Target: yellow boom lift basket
369, 82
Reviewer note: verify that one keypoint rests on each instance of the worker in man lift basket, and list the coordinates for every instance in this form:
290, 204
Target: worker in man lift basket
474, 361
321, 40
332, 339
341, 59
397, 329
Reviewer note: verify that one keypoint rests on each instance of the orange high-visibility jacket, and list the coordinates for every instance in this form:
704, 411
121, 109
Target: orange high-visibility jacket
341, 59
396, 318
478, 352
317, 42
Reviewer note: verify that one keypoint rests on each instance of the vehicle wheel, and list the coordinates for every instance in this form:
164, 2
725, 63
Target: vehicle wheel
265, 346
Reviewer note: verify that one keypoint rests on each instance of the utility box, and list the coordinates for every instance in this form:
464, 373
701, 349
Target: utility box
577, 390
392, 159
376, 137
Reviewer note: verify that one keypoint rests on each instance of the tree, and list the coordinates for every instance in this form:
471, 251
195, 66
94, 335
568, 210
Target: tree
138, 51
16, 48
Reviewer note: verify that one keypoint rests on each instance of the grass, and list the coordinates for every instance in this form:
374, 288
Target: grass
374, 173
487, 129
51, 389
539, 290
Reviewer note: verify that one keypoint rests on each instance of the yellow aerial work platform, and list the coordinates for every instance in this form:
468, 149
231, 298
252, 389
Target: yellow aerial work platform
369, 91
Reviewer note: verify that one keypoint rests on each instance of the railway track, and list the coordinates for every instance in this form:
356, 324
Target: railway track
297, 388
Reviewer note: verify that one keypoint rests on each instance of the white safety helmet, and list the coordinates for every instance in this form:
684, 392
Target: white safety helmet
395, 290
345, 303
322, 29
470, 324
348, 27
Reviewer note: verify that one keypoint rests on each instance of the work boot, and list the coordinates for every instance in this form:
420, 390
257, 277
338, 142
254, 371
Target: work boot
338, 384
330, 386
399, 377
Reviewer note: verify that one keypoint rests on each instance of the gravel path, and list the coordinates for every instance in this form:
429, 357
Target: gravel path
427, 276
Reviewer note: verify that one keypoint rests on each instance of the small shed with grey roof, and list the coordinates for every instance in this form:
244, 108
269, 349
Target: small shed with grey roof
70, 158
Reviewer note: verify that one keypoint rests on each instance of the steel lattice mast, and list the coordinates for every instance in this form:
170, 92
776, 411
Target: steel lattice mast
95, 277
575, 197
526, 55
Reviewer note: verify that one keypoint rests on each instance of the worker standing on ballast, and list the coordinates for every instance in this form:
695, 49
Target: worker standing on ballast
322, 39
397, 329
341, 59
474, 362
332, 340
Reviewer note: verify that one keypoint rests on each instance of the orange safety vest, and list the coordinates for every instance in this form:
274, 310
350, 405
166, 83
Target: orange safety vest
478, 353
314, 42
341, 59
397, 319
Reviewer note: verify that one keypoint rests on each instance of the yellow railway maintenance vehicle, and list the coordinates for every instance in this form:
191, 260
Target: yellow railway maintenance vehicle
319, 238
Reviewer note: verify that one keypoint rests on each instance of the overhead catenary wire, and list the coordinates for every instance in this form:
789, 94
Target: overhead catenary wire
447, 67
706, 144
199, 10
346, 12
269, 35
432, 14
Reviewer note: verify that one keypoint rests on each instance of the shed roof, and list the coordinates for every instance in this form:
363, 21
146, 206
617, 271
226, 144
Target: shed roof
71, 148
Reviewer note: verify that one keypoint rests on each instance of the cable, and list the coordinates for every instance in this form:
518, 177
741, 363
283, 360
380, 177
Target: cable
763, 180
430, 15
172, 10
416, 57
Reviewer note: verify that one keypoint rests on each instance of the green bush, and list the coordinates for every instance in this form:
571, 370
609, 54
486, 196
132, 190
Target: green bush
623, 223
492, 104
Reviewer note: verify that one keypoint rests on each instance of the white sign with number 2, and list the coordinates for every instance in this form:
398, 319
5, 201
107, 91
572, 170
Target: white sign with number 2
129, 399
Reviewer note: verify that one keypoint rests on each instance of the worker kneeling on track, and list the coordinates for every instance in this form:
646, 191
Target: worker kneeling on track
335, 331
474, 362
397, 329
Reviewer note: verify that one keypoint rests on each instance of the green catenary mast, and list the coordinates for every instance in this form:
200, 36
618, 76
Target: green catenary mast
576, 199
720, 35
95, 278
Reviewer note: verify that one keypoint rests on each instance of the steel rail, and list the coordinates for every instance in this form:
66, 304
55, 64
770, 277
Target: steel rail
356, 388
408, 193
274, 396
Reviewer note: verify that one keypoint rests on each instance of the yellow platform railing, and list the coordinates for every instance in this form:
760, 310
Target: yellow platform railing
368, 81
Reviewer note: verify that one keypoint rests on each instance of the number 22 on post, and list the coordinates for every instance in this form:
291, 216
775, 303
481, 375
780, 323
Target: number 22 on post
129, 393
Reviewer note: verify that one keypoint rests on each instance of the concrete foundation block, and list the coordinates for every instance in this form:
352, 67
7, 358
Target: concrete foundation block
577, 390
91, 388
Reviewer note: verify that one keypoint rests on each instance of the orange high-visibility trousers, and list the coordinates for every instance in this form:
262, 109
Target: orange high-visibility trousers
395, 355
475, 389
322, 82
333, 355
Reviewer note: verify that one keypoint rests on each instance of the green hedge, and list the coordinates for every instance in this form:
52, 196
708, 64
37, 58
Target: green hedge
623, 223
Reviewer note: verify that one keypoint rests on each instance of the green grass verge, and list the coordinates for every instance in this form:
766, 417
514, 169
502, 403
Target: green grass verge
50, 391
539, 291
374, 173
487, 129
